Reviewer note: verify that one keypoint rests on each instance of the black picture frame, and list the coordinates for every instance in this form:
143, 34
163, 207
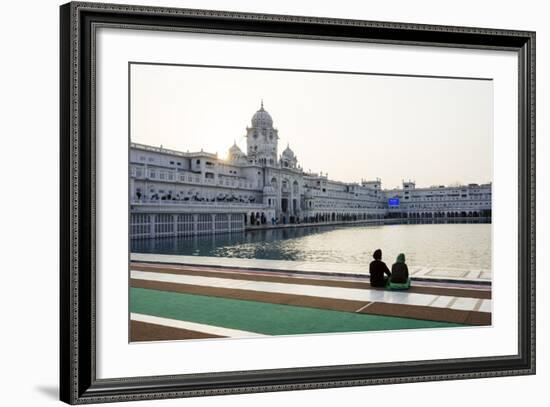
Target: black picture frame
78, 382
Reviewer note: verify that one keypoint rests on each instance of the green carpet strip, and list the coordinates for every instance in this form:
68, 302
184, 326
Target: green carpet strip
264, 318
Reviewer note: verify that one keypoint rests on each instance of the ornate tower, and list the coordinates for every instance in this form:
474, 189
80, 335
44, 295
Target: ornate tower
288, 159
235, 155
261, 139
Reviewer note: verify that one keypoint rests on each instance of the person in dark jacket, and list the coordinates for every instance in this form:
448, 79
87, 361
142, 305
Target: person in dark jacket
378, 270
399, 271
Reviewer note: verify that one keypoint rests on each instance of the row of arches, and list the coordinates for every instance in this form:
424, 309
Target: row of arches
340, 217
255, 218
261, 218
486, 213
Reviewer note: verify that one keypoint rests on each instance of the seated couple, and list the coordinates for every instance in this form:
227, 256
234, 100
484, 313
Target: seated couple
398, 278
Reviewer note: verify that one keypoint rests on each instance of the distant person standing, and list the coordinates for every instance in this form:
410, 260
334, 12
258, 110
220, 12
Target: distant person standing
378, 270
400, 274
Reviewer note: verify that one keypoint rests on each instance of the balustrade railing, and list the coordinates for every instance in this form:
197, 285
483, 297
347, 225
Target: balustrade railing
220, 204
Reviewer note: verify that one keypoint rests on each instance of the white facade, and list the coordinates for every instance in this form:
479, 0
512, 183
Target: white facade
185, 193
440, 201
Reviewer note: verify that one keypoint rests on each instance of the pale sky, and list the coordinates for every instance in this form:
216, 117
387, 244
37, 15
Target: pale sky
351, 126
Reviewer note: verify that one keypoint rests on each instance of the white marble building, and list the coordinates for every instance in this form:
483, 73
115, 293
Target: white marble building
176, 193
440, 201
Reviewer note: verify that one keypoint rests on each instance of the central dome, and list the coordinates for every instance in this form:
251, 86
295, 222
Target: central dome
262, 119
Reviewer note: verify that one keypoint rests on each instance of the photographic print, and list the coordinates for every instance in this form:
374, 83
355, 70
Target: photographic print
289, 202
256, 202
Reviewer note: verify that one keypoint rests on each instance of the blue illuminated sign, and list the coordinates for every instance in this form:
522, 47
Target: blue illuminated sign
393, 202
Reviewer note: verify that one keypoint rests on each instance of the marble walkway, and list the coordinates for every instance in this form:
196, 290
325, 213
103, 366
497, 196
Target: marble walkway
428, 273
172, 301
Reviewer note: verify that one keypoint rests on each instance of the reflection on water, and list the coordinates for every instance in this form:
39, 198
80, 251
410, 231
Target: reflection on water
434, 245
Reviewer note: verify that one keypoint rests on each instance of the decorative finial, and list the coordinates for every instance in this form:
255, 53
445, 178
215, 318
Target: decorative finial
262, 104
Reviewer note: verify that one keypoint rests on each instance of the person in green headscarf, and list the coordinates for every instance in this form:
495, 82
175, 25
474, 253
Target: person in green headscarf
400, 272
